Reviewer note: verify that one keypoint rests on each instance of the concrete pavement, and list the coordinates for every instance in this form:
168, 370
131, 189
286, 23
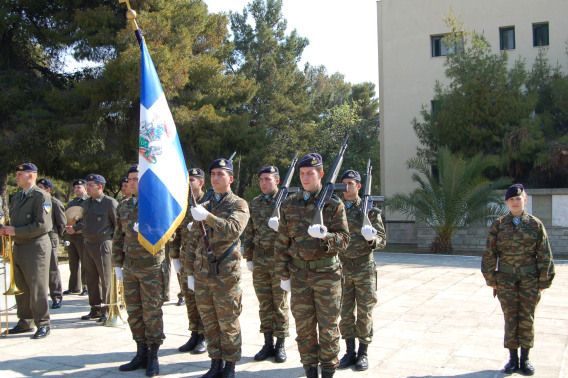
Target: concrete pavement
435, 318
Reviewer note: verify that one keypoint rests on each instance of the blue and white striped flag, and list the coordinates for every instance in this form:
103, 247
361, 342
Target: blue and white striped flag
163, 180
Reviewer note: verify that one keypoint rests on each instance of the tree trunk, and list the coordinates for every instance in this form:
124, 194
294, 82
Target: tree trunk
442, 244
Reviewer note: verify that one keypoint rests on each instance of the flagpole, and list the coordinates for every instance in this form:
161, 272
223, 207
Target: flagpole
131, 16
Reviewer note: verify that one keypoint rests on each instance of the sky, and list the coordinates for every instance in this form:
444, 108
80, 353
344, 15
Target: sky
342, 33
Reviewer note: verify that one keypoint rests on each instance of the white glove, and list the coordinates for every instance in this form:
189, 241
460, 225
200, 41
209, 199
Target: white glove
119, 273
189, 226
317, 231
273, 223
286, 285
199, 213
177, 265
250, 265
66, 243
191, 283
135, 227
368, 232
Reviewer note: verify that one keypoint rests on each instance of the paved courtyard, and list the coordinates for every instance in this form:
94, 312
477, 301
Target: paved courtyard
435, 318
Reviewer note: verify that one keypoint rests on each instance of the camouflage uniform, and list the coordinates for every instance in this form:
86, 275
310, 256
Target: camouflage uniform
315, 271
360, 275
59, 221
145, 277
176, 252
524, 260
218, 297
76, 250
259, 248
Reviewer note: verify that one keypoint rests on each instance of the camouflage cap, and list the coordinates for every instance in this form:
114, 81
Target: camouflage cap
46, 183
351, 174
26, 167
514, 190
270, 169
310, 160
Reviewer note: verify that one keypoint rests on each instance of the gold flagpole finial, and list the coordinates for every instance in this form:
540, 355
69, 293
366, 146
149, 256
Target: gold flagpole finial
130, 14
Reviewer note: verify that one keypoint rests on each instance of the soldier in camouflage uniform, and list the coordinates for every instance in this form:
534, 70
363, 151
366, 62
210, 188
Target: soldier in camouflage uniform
360, 275
259, 253
218, 296
125, 189
307, 261
196, 343
517, 263
59, 221
76, 248
145, 277
30, 222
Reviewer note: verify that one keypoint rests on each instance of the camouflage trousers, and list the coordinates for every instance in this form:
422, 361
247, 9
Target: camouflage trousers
195, 323
273, 301
315, 303
144, 290
519, 296
219, 302
359, 294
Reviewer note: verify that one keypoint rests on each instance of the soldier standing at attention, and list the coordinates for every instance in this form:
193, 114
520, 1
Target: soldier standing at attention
307, 261
259, 253
360, 275
125, 188
98, 224
517, 263
216, 280
196, 343
59, 221
30, 223
76, 248
144, 276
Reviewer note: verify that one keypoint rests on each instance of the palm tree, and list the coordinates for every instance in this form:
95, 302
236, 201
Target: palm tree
452, 200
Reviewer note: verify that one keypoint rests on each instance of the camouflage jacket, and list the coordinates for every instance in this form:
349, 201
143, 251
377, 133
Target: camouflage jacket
518, 246
293, 240
179, 238
257, 233
30, 215
125, 240
226, 222
358, 246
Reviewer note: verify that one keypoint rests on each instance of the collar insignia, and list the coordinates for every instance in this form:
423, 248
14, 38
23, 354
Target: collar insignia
348, 204
266, 196
306, 196
217, 197
516, 221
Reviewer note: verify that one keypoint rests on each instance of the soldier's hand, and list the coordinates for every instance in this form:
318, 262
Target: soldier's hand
368, 232
317, 231
189, 226
286, 284
199, 213
119, 274
177, 265
70, 230
9, 230
273, 223
250, 265
135, 227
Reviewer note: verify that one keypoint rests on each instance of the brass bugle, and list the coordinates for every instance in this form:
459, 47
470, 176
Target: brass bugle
7, 249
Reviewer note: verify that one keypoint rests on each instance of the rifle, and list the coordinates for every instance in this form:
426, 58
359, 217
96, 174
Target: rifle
210, 191
330, 186
213, 267
368, 199
285, 188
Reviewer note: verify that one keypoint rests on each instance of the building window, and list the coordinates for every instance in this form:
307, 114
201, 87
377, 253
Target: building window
540, 34
439, 47
507, 38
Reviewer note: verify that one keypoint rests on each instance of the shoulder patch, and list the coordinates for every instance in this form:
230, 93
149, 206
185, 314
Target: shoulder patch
47, 208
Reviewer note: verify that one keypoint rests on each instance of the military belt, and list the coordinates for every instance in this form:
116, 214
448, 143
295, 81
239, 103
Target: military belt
259, 252
315, 264
509, 269
143, 263
357, 260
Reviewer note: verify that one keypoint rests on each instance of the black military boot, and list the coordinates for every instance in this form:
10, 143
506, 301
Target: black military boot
526, 366
215, 371
267, 349
140, 360
153, 367
362, 363
191, 343
350, 357
513, 363
200, 346
279, 350
311, 371
229, 370
327, 373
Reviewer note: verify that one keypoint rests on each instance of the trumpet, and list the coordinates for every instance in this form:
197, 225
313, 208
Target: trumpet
12, 289
117, 303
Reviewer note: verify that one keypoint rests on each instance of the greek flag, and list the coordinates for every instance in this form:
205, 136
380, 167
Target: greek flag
163, 180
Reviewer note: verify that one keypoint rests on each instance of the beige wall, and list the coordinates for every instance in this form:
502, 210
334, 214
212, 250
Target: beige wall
407, 72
